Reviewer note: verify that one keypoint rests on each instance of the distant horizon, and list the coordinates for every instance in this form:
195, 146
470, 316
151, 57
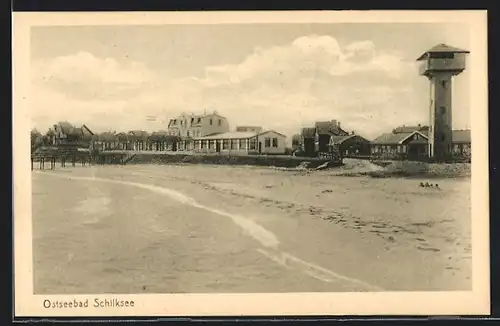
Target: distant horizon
281, 77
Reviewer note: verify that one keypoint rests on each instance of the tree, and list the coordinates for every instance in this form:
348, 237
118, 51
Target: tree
37, 139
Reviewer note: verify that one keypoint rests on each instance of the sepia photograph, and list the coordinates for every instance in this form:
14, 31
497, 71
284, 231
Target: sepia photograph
247, 163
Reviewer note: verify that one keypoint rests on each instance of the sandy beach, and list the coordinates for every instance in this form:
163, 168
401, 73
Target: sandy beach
202, 228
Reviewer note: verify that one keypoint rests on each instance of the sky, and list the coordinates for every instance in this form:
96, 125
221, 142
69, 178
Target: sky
278, 76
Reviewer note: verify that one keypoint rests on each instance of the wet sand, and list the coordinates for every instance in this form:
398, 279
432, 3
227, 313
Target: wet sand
200, 228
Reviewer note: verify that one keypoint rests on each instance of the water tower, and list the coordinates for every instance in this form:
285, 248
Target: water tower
439, 65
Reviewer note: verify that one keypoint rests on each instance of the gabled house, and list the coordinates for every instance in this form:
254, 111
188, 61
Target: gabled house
324, 130
400, 144
412, 143
65, 134
317, 139
350, 145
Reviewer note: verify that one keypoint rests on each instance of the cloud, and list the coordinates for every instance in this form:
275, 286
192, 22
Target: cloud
83, 75
282, 87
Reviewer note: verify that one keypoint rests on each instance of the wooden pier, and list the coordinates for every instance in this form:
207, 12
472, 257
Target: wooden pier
49, 157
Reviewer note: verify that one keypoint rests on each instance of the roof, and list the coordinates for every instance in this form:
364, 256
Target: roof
65, 126
193, 115
442, 48
341, 139
327, 127
406, 129
458, 136
268, 131
308, 132
461, 136
245, 128
84, 127
230, 135
391, 138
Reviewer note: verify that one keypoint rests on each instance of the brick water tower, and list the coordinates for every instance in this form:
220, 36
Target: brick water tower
439, 65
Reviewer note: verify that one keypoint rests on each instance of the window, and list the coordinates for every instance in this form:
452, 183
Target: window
445, 55
442, 137
225, 144
442, 110
242, 143
234, 143
203, 144
199, 120
444, 83
188, 134
267, 142
275, 142
192, 120
210, 121
220, 122
210, 144
253, 143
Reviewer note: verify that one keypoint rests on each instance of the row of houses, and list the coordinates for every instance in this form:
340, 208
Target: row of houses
210, 133
207, 133
405, 142
328, 136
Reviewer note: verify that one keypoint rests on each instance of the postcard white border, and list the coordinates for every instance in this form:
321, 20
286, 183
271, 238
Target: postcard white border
475, 302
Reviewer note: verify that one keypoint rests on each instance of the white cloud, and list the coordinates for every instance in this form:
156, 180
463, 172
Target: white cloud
282, 87
83, 67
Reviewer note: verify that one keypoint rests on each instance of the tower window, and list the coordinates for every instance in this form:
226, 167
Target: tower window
442, 110
442, 137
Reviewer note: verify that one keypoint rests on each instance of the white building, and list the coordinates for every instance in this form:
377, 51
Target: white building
191, 125
242, 143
